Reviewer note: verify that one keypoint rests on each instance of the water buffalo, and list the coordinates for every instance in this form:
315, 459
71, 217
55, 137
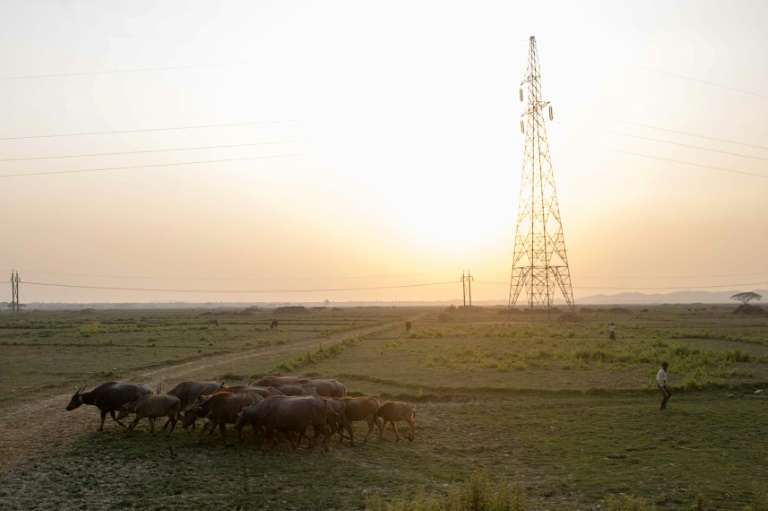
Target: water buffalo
213, 322
287, 414
152, 406
407, 326
296, 390
271, 381
108, 398
221, 409
273, 325
264, 392
362, 409
327, 388
337, 420
189, 391
394, 411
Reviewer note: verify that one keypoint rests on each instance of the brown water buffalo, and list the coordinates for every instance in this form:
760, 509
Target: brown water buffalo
327, 388
152, 406
394, 411
264, 392
220, 409
189, 391
271, 381
273, 325
213, 322
296, 390
407, 326
108, 398
362, 409
288, 415
337, 420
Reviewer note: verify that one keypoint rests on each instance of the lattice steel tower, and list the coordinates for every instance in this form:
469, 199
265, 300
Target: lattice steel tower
540, 261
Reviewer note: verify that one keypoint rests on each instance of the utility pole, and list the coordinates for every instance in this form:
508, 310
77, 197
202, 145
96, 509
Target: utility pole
466, 287
540, 260
15, 294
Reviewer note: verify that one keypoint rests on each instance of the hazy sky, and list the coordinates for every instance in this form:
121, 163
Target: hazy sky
346, 149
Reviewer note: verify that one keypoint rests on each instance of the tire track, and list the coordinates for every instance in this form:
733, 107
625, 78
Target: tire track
34, 428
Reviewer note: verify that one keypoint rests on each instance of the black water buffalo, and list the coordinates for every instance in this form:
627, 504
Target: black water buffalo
108, 398
273, 325
221, 409
394, 411
407, 326
287, 414
151, 407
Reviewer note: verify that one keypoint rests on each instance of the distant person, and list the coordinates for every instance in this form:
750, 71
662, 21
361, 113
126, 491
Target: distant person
612, 329
661, 382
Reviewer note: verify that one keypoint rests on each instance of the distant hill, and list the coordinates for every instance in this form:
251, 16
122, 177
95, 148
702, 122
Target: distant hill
676, 297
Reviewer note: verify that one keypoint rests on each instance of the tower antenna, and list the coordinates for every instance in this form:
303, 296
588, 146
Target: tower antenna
540, 260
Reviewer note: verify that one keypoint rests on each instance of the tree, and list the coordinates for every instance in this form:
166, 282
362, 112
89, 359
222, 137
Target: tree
746, 297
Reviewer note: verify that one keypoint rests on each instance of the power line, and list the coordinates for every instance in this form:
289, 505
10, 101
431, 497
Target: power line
690, 79
125, 71
684, 162
249, 291
238, 279
159, 165
118, 132
658, 140
166, 150
685, 133
646, 288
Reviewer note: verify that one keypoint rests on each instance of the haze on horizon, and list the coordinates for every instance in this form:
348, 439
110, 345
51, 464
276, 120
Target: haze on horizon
371, 151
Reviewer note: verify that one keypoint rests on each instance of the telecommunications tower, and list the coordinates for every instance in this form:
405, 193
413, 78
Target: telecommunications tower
540, 261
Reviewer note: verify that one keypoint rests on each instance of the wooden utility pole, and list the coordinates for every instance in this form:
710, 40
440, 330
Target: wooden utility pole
466, 287
15, 294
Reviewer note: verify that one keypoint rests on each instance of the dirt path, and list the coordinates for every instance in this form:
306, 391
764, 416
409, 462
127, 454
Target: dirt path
29, 429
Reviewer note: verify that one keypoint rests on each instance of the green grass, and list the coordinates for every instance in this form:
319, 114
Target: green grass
566, 418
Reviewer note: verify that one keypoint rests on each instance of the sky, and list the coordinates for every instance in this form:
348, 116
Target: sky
299, 151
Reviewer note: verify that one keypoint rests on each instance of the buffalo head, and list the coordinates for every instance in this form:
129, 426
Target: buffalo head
76, 400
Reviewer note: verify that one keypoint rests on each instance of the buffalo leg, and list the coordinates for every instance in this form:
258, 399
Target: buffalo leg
112, 413
172, 418
394, 427
132, 425
412, 432
152, 425
223, 430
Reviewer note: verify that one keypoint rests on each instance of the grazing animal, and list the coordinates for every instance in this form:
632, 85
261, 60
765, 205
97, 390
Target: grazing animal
152, 406
287, 414
296, 390
108, 398
220, 409
273, 381
327, 388
336, 420
213, 321
407, 326
264, 392
362, 409
189, 391
394, 411
273, 325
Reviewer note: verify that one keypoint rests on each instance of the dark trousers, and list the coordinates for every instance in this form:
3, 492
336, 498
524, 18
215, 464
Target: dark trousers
665, 395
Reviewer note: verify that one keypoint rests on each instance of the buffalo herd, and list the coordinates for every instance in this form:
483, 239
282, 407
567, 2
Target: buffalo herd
289, 405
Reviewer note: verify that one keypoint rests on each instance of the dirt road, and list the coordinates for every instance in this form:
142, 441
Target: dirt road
30, 428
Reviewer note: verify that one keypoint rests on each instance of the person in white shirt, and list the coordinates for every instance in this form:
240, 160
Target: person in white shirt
661, 382
612, 329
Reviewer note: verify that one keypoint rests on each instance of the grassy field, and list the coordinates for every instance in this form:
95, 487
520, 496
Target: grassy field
553, 408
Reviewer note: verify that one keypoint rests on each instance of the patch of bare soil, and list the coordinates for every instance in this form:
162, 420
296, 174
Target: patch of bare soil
43, 425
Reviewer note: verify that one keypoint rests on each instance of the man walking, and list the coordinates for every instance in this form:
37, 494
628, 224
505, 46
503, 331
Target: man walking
612, 329
661, 382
